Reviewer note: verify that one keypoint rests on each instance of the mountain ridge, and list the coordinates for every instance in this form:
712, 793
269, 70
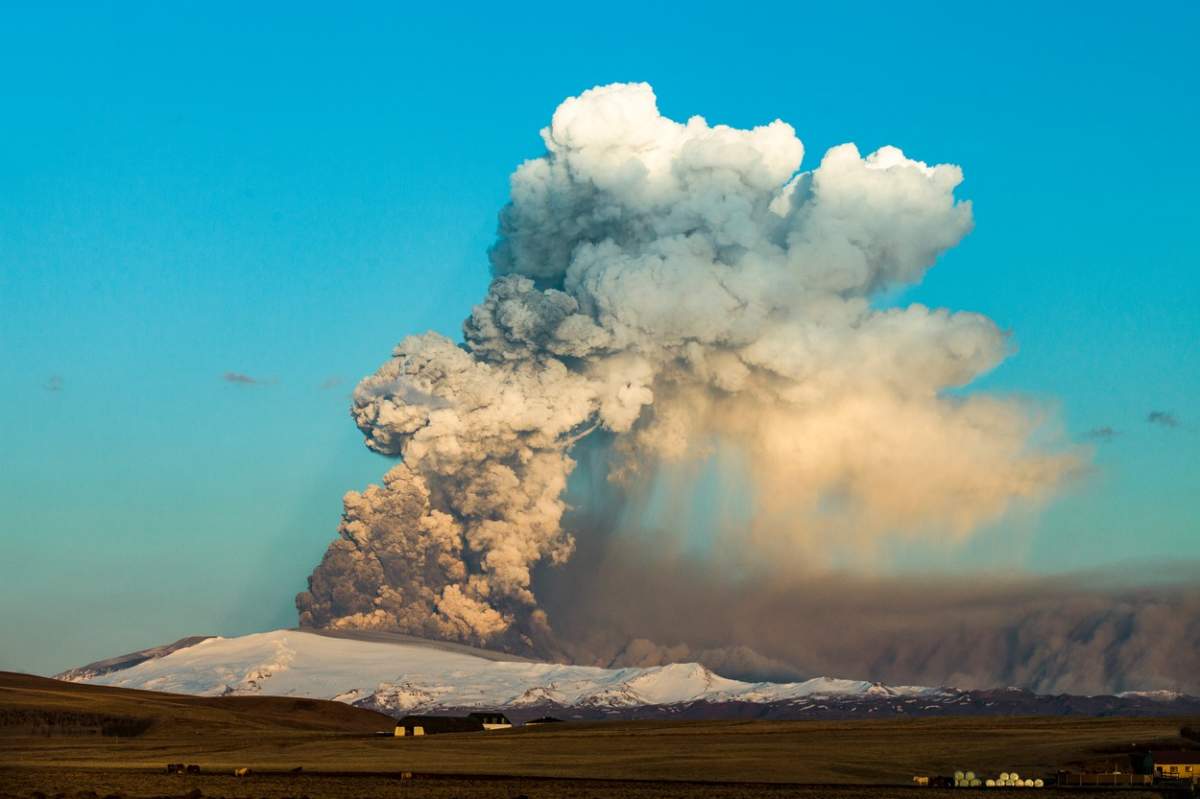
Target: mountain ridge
396, 675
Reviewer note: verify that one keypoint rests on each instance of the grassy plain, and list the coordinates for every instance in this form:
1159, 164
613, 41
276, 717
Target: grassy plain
339, 756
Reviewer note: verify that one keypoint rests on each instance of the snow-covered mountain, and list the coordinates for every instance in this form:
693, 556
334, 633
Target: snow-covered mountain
399, 675
407, 676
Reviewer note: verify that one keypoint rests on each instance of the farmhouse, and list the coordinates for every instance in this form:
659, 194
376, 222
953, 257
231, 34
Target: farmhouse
435, 725
1181, 764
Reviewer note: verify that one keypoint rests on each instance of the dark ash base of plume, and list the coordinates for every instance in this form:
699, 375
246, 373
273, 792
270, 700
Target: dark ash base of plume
1048, 635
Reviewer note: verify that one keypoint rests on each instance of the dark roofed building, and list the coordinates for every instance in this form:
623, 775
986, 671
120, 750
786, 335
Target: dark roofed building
491, 720
436, 725
1181, 763
543, 720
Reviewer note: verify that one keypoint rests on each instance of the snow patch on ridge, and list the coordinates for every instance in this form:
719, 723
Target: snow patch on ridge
1157, 696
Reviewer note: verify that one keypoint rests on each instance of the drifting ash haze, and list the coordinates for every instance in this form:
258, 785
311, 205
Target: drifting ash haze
666, 296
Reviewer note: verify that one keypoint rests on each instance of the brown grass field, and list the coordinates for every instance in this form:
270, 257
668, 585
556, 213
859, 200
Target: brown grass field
62, 738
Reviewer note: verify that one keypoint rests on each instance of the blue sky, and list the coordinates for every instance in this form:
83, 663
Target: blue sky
284, 192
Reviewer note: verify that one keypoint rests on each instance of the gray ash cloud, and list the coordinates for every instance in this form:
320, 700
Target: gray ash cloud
663, 291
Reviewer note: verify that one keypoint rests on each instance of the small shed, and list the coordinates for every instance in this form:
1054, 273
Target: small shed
435, 725
491, 720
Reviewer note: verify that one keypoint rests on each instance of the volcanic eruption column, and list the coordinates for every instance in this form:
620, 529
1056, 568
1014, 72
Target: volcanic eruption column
675, 285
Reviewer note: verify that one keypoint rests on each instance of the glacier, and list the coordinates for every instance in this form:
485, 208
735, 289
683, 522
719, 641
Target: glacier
410, 676
396, 674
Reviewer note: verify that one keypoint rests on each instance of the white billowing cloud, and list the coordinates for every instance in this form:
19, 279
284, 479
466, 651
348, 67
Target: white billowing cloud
675, 284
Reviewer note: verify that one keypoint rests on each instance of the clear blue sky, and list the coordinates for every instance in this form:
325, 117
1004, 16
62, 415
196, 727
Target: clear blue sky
285, 191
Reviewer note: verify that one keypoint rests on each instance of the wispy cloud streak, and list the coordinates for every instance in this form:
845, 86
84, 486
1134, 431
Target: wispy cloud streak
1163, 418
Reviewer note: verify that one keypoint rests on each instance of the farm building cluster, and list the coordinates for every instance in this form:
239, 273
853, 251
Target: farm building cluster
1143, 768
410, 726
437, 725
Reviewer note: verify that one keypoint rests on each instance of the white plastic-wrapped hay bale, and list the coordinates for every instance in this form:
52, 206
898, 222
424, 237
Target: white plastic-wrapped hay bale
989, 784
1039, 783
959, 776
970, 775
975, 783
1005, 777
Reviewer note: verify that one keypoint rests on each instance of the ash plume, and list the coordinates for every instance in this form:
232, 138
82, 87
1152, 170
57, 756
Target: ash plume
664, 292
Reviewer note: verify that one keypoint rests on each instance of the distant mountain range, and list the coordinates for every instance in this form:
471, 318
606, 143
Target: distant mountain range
398, 674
